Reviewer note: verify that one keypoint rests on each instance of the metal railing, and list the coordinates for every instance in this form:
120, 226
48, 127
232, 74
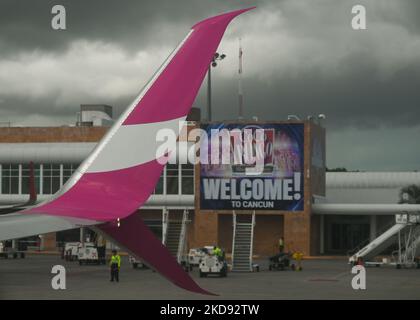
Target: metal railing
251, 250
182, 236
165, 214
366, 241
234, 237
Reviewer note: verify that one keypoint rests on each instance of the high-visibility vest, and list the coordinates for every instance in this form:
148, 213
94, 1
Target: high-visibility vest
297, 256
281, 243
217, 251
116, 260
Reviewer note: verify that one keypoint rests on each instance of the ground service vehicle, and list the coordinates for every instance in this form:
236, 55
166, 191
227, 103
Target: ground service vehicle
212, 264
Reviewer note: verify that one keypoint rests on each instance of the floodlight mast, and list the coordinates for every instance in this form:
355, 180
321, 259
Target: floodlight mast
213, 64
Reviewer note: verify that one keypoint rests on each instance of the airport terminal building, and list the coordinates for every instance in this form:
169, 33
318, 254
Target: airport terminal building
189, 207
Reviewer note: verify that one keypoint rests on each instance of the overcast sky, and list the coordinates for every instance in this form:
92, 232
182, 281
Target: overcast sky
300, 57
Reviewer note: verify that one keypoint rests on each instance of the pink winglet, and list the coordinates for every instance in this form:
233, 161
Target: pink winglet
173, 93
116, 193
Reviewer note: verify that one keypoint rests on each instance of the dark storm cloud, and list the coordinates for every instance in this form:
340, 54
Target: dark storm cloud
134, 24
349, 99
300, 57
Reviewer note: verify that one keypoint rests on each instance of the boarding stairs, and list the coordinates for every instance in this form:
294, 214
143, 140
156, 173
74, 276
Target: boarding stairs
405, 232
182, 244
367, 241
408, 247
174, 234
243, 239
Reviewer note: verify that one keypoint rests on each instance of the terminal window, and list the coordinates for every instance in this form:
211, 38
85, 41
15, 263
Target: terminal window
50, 178
68, 170
159, 185
172, 175
187, 179
10, 179
25, 177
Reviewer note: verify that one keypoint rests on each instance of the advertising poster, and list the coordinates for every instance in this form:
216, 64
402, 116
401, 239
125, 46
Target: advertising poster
233, 186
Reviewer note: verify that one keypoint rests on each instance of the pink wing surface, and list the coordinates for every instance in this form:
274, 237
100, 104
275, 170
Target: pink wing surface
122, 172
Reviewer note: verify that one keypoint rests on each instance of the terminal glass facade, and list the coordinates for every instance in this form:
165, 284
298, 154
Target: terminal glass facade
48, 177
10, 179
175, 178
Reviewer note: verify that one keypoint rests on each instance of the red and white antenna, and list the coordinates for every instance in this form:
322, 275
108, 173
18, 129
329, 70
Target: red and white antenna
240, 94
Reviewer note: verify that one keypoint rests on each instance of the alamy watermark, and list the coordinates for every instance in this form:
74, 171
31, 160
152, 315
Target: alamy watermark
246, 147
359, 19
358, 282
58, 282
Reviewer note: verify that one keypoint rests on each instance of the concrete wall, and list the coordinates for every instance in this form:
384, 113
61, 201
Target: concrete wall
51, 134
225, 239
267, 232
206, 229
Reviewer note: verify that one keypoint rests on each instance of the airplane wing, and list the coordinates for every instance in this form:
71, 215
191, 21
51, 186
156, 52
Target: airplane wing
121, 172
26, 225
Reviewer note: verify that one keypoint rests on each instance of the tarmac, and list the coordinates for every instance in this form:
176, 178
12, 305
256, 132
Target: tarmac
30, 278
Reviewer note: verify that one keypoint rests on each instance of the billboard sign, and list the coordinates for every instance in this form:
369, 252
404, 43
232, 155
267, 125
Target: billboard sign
234, 183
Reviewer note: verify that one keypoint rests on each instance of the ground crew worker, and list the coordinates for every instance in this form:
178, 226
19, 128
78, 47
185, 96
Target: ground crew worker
115, 265
218, 252
281, 245
298, 257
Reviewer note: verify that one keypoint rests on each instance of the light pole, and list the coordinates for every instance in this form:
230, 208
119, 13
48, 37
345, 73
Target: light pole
213, 64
